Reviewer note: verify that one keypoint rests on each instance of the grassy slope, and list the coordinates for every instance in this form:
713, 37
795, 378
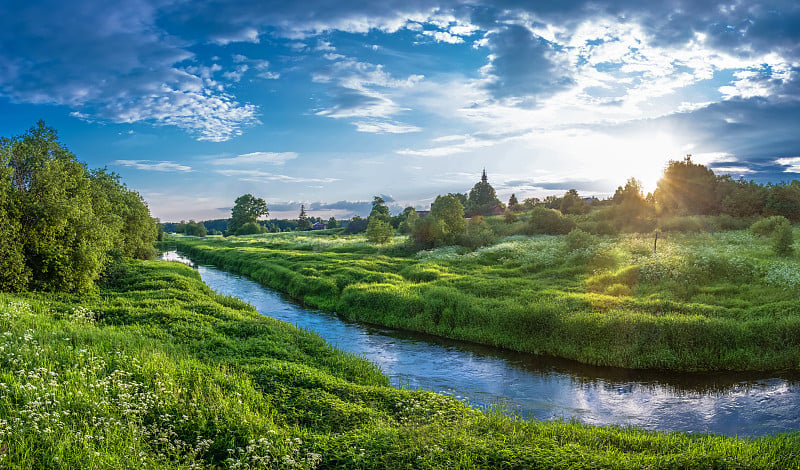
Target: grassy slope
702, 303
160, 372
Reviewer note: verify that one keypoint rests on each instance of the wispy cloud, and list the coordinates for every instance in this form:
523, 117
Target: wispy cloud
148, 165
257, 158
256, 176
382, 127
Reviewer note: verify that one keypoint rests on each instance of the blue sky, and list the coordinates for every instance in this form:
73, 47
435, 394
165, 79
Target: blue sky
329, 103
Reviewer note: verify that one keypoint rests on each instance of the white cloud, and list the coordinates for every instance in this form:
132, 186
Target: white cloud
256, 158
378, 127
792, 164
148, 165
444, 36
255, 176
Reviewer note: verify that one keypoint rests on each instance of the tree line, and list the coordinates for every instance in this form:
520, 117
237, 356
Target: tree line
63, 225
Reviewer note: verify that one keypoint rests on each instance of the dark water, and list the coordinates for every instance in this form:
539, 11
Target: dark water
541, 387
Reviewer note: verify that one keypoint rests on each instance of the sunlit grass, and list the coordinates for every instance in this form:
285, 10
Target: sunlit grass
159, 372
695, 301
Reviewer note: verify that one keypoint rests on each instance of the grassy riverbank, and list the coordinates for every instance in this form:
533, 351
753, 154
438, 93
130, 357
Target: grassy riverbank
157, 371
703, 302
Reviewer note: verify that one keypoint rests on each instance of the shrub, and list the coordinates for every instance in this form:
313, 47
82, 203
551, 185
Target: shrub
249, 228
478, 233
782, 239
766, 227
549, 221
578, 239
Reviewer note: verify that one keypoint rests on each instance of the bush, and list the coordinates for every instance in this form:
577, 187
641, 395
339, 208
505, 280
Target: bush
578, 239
549, 221
766, 227
782, 239
249, 228
477, 234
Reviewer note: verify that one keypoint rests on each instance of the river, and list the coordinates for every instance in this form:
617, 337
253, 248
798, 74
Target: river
736, 404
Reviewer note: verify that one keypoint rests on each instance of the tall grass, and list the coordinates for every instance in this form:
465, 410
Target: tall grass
699, 302
157, 372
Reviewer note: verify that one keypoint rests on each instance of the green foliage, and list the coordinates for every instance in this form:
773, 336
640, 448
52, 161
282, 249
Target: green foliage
60, 221
478, 233
688, 188
428, 232
783, 239
410, 220
779, 230
784, 199
719, 301
449, 211
250, 228
246, 209
166, 374
196, 229
549, 221
572, 203
356, 225
332, 223
379, 230
302, 220
482, 199
577, 239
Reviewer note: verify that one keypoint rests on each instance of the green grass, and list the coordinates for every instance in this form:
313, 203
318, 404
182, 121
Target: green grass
702, 302
160, 372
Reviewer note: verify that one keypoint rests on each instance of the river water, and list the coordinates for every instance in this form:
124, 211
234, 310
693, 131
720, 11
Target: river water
736, 404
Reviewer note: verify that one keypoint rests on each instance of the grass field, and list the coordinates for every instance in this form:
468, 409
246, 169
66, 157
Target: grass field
702, 302
157, 371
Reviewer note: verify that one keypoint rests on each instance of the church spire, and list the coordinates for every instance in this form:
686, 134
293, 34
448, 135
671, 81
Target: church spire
483, 177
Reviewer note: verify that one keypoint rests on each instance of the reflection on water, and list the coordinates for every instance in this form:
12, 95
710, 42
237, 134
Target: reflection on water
541, 387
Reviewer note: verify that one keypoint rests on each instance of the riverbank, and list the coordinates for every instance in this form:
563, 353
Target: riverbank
703, 302
158, 371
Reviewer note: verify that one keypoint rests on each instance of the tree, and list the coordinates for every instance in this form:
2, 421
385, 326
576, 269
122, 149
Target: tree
784, 199
379, 229
249, 228
513, 203
572, 203
687, 188
740, 198
196, 229
356, 225
246, 209
332, 223
449, 211
482, 198
410, 218
63, 223
302, 220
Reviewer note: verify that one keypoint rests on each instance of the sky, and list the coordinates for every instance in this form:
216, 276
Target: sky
329, 103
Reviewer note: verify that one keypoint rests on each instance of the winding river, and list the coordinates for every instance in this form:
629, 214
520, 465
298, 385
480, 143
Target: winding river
736, 404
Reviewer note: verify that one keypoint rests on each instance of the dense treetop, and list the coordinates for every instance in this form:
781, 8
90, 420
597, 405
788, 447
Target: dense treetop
61, 224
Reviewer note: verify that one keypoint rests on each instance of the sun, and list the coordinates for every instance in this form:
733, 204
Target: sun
645, 157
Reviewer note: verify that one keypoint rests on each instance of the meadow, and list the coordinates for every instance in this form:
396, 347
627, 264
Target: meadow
155, 370
702, 301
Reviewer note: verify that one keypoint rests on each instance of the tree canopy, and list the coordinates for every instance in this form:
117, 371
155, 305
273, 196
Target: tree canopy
59, 222
246, 210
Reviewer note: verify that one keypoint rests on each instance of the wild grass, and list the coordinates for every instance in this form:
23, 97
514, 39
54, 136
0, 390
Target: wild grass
157, 371
701, 301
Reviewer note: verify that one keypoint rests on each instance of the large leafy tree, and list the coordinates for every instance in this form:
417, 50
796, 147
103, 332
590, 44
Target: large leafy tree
61, 221
688, 188
379, 228
246, 209
482, 198
449, 211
